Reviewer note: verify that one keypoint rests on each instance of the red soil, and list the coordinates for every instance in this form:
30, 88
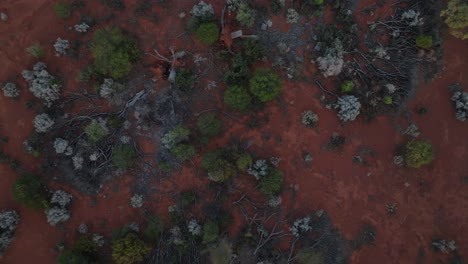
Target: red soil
432, 204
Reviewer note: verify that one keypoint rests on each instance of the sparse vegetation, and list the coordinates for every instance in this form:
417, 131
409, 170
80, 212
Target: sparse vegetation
113, 52
418, 153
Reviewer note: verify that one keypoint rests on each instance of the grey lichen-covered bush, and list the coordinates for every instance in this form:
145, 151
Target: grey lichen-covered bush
61, 198
56, 215
43, 122
460, 100
331, 64
259, 169
309, 118
62, 146
61, 46
42, 84
10, 90
292, 17
59, 213
82, 27
194, 228
136, 201
9, 219
300, 226
348, 107
202, 10
109, 88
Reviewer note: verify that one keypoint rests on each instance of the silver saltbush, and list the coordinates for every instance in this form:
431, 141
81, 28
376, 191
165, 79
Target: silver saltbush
10, 90
9, 219
61, 46
202, 10
309, 118
82, 28
194, 228
348, 107
43, 122
460, 100
292, 17
136, 201
301, 225
42, 84
259, 169
61, 198
62, 146
57, 215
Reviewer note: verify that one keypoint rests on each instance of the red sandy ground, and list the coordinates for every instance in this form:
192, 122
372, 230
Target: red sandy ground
432, 205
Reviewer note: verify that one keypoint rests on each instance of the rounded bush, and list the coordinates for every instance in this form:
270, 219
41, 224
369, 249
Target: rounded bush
183, 151
347, 86
418, 153
209, 125
271, 184
129, 250
265, 85
244, 161
210, 232
123, 156
207, 33
424, 42
29, 191
237, 98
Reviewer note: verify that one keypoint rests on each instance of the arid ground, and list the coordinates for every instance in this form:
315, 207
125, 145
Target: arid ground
432, 202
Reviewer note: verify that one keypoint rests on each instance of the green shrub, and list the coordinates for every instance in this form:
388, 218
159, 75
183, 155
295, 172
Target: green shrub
62, 10
237, 98
418, 153
238, 70
207, 33
96, 131
113, 52
253, 50
155, 226
218, 166
245, 15
308, 256
183, 151
317, 2
424, 42
175, 136
388, 100
210, 232
85, 246
347, 86
456, 18
36, 51
209, 125
29, 191
185, 80
123, 156
265, 85
187, 198
129, 250
244, 161
71, 257
271, 184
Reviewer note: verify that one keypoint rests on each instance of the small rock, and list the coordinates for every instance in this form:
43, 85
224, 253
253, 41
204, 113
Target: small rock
3, 17
182, 15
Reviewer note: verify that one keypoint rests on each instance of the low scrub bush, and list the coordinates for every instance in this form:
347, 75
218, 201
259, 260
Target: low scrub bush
63, 10
418, 153
424, 42
123, 156
207, 33
29, 191
237, 98
113, 52
272, 183
36, 51
185, 80
265, 85
183, 151
209, 126
129, 250
210, 232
